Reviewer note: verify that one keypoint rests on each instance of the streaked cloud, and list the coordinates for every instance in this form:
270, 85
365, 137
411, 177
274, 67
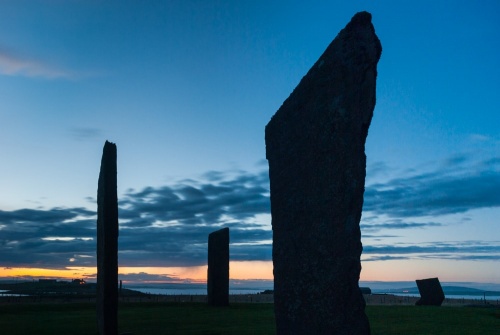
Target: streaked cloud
452, 189
397, 224
143, 277
12, 64
480, 138
452, 250
198, 203
84, 133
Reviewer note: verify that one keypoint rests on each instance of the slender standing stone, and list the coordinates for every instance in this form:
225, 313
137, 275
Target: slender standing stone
218, 268
315, 147
107, 244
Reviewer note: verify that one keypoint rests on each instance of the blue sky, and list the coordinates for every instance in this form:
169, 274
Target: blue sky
185, 89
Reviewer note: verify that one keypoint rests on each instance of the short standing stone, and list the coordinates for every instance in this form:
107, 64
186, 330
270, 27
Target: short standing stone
431, 292
218, 268
315, 145
107, 244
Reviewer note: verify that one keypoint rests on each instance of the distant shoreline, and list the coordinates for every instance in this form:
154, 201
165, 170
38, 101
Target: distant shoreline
371, 299
392, 299
52, 291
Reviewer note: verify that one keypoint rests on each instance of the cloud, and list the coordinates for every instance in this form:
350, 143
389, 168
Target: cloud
142, 277
174, 221
84, 133
453, 250
384, 258
450, 190
456, 160
397, 224
159, 226
12, 64
377, 169
28, 237
168, 225
480, 138
239, 198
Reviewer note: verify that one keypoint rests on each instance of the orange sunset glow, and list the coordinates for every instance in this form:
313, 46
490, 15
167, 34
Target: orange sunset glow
238, 270
396, 270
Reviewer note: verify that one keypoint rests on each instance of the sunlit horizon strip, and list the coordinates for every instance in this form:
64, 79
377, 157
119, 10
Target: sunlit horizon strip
240, 270
386, 271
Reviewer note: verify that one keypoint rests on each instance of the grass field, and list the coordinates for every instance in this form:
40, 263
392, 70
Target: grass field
196, 318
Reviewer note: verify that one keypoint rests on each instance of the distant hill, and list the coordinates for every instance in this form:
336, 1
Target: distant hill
448, 290
57, 288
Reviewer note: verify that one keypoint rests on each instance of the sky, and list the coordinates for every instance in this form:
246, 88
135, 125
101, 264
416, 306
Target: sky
185, 89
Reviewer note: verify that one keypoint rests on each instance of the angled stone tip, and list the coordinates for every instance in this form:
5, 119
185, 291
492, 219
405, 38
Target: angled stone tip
110, 148
220, 232
361, 18
361, 26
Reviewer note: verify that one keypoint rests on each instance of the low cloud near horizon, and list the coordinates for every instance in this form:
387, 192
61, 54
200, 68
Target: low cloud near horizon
169, 225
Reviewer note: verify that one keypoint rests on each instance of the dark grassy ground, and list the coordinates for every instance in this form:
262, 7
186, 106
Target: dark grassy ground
413, 320
196, 318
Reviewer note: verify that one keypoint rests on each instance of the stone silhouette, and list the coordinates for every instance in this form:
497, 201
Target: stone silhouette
431, 292
218, 268
315, 145
107, 244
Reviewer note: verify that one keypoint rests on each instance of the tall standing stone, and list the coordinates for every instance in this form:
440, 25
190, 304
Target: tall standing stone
315, 146
218, 268
107, 244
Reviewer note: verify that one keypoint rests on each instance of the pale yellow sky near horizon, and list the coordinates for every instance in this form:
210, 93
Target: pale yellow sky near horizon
392, 270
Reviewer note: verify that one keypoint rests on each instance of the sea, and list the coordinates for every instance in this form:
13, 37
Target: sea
480, 292
3, 293
478, 297
196, 289
201, 289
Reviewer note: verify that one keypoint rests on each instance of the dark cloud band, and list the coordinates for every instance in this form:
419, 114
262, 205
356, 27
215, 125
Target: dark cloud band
169, 225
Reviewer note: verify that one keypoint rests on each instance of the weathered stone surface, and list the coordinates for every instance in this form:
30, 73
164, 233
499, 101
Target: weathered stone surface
431, 292
315, 147
218, 268
107, 244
